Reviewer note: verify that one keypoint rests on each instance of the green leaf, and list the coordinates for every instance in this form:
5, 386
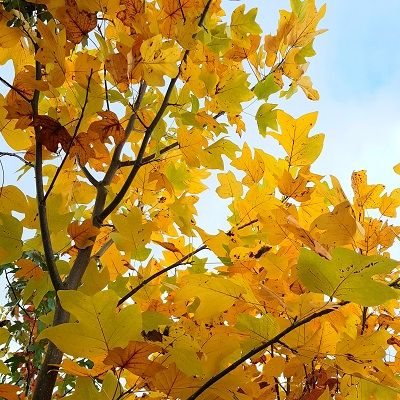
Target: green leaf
261, 329
211, 157
266, 87
266, 118
348, 276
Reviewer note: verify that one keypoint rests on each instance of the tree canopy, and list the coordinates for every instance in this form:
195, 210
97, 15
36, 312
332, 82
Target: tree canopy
118, 113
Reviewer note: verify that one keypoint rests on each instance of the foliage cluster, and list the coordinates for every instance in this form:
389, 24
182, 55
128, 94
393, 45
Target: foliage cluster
119, 111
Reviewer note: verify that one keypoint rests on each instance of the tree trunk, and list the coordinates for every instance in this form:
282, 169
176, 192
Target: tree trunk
47, 376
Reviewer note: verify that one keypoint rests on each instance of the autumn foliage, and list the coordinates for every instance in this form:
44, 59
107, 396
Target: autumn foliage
120, 113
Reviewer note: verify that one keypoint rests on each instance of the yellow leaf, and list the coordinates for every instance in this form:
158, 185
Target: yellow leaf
158, 59
339, 226
100, 326
229, 186
52, 52
12, 198
132, 234
4, 335
301, 149
220, 292
231, 91
242, 25
10, 239
253, 167
390, 203
94, 279
365, 196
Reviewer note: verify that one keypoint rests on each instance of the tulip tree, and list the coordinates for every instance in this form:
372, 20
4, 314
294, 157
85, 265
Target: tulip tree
117, 112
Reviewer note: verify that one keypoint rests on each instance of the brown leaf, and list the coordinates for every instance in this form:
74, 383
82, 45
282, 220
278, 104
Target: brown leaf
51, 133
117, 66
78, 23
135, 358
108, 126
133, 8
393, 340
82, 148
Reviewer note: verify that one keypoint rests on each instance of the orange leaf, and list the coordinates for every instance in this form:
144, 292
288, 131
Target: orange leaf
168, 246
71, 367
28, 269
9, 392
82, 233
135, 358
133, 8
117, 66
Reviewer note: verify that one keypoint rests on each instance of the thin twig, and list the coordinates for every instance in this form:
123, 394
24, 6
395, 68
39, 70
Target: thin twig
52, 183
87, 174
5, 153
114, 164
16, 297
158, 273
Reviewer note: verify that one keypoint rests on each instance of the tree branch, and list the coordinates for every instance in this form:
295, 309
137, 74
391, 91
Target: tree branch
44, 227
82, 259
5, 153
158, 273
114, 165
52, 183
259, 348
151, 157
88, 175
125, 187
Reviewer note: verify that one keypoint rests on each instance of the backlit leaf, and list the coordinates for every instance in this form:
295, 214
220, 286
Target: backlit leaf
348, 276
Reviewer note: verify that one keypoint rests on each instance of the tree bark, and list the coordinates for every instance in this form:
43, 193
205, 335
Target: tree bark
47, 376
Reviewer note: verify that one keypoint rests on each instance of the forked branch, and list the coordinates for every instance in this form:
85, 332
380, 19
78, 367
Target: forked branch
149, 131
